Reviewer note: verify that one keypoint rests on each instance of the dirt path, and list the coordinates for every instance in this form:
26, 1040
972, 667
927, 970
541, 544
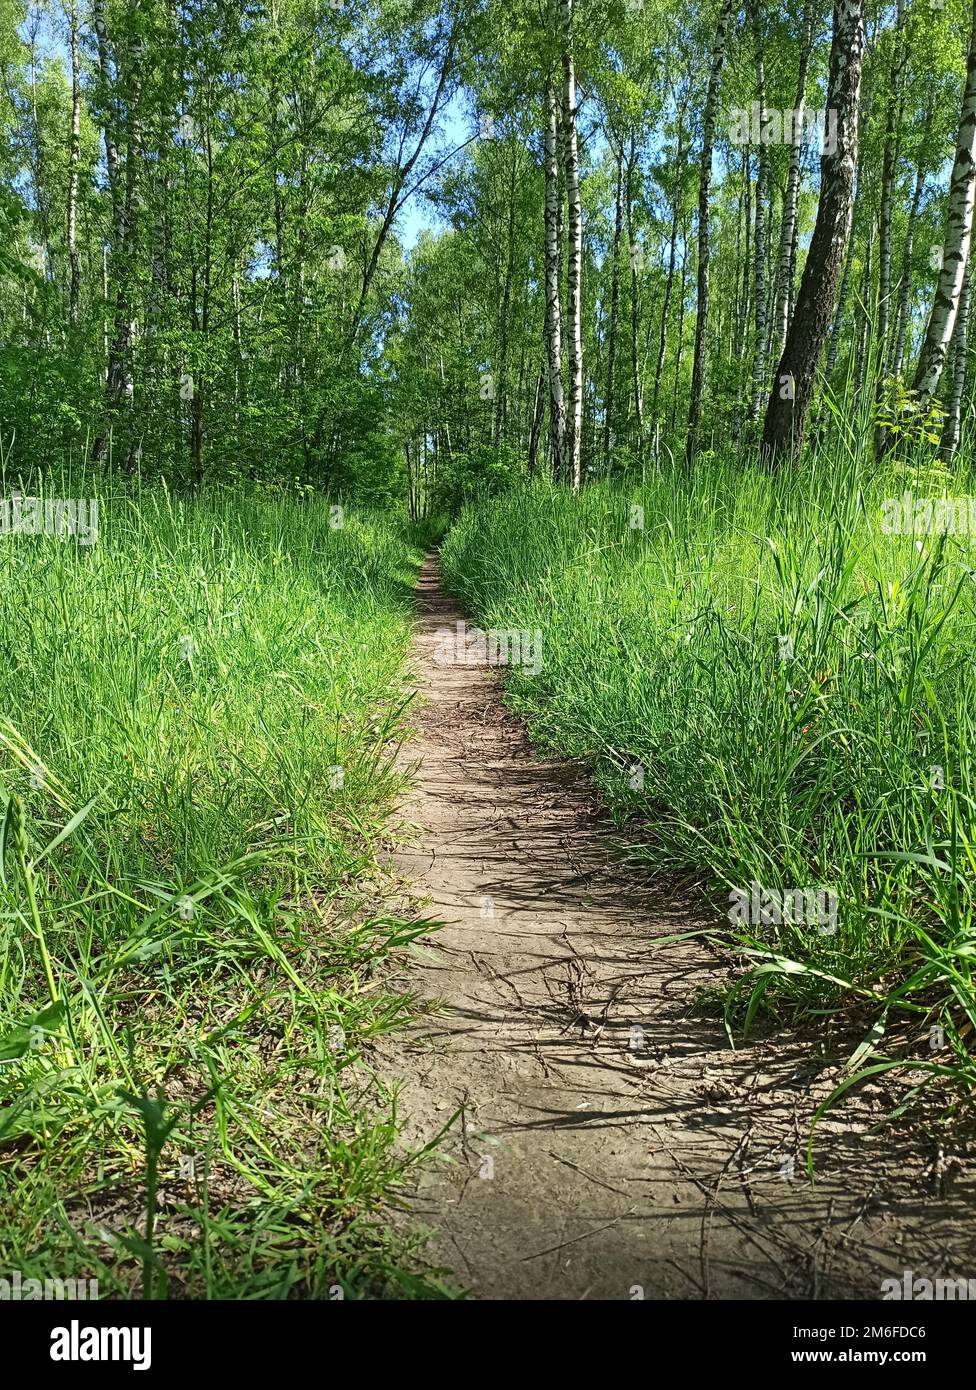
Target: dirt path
611, 1141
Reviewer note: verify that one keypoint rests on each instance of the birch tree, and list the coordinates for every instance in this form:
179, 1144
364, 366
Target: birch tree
959, 225
700, 359
892, 125
960, 350
618, 217
759, 230
553, 313
786, 258
574, 264
900, 325
74, 159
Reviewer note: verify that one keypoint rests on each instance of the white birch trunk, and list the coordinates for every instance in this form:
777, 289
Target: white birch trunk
574, 420
700, 361
74, 159
958, 233
553, 324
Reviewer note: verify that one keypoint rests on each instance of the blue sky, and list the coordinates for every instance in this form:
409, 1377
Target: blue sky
418, 215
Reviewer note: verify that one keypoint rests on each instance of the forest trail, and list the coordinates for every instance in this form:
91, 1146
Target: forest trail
611, 1144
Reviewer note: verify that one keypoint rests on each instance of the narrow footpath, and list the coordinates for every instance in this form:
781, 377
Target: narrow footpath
610, 1144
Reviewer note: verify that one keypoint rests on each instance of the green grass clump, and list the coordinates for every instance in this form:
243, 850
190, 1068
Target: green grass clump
199, 717
781, 690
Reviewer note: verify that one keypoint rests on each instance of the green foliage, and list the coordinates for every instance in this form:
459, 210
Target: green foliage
484, 472
902, 415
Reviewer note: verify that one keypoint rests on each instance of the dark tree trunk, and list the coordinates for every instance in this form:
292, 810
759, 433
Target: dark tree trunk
792, 393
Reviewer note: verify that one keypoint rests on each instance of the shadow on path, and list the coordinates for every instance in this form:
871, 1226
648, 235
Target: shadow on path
610, 1140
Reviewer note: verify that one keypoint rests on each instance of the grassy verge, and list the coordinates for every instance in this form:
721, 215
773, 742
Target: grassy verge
199, 716
781, 689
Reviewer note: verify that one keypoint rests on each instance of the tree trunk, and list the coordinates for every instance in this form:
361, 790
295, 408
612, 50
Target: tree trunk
537, 414
700, 360
553, 325
786, 256
74, 159
681, 326
960, 346
107, 102
866, 317
958, 232
888, 162
574, 421
119, 384
905, 288
669, 282
501, 396
762, 195
837, 323
792, 392
635, 366
445, 396
745, 300
608, 406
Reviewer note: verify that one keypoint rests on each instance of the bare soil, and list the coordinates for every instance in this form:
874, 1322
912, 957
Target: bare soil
609, 1142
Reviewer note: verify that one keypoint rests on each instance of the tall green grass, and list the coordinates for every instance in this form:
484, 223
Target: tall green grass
783, 693
199, 717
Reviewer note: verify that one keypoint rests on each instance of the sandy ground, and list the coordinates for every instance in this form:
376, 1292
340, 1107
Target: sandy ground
610, 1142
